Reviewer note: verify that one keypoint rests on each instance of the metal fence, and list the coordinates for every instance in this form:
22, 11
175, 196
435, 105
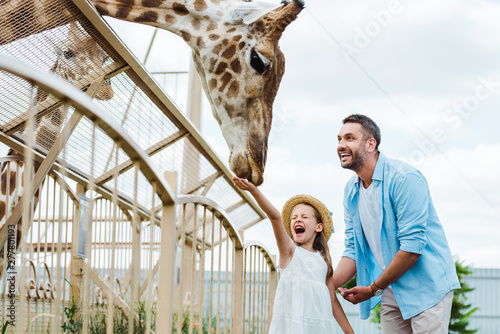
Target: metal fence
77, 251
93, 236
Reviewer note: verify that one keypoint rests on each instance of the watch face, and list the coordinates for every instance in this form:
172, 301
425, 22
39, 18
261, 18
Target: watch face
379, 292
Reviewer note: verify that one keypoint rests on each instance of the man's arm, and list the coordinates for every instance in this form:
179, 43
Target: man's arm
399, 265
344, 272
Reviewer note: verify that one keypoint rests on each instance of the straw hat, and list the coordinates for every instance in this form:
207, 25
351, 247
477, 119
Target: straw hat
286, 213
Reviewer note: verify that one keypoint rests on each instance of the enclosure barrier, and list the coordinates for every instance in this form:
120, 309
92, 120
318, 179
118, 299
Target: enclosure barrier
77, 254
259, 288
93, 237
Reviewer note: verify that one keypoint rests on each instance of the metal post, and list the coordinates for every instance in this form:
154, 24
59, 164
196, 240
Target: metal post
167, 262
273, 282
76, 271
238, 272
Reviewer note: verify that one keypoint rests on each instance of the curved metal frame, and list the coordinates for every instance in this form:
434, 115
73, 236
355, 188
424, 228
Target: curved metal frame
84, 105
217, 210
264, 251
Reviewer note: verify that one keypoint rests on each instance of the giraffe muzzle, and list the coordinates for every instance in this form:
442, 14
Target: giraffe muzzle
246, 167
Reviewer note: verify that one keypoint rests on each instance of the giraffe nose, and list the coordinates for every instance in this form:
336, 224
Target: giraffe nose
239, 164
246, 167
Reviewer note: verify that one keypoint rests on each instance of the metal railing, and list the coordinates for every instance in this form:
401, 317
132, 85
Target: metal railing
55, 231
87, 255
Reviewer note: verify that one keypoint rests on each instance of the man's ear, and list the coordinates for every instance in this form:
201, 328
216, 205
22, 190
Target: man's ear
370, 145
249, 12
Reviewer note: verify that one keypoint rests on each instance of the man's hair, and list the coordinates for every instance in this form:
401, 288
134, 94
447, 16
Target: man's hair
369, 127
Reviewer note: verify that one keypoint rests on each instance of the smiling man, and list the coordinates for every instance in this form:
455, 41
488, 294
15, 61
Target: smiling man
394, 241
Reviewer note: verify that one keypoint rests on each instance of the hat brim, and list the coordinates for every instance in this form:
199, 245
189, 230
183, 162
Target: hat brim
286, 213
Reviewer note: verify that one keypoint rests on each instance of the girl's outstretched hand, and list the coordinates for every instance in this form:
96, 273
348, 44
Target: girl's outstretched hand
244, 184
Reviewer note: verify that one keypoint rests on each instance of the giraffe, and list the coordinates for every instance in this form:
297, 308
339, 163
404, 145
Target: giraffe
235, 49
77, 59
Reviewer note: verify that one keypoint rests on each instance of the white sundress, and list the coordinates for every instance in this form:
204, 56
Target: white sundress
302, 302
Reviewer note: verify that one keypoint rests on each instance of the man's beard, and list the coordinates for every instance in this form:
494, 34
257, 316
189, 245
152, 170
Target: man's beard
357, 162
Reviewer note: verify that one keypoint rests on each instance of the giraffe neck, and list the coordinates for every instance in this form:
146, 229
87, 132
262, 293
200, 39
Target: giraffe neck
183, 18
21, 19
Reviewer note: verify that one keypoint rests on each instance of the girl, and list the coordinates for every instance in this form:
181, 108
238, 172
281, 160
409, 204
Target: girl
302, 304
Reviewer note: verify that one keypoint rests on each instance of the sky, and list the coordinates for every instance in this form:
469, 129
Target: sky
427, 72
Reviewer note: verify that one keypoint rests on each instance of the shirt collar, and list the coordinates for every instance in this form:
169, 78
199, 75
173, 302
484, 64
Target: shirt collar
378, 173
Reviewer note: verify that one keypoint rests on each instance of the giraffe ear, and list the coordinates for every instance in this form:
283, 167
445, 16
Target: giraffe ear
249, 12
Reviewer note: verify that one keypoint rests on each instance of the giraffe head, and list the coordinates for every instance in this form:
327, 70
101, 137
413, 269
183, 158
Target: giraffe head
80, 59
241, 66
236, 53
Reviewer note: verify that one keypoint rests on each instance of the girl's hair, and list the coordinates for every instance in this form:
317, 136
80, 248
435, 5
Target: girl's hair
320, 244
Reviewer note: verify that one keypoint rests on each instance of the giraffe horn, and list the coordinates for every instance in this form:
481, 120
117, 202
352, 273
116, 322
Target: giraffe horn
283, 16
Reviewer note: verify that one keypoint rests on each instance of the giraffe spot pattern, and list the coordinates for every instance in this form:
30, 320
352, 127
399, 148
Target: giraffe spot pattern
200, 43
12, 182
233, 29
241, 45
152, 3
229, 107
213, 37
185, 35
46, 136
170, 19
200, 5
102, 9
220, 68
2, 210
225, 80
148, 16
196, 23
180, 9
237, 38
216, 2
211, 67
236, 66
234, 89
217, 49
123, 11
212, 84
229, 52
211, 26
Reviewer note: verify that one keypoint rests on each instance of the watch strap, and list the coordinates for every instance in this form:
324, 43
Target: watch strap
374, 288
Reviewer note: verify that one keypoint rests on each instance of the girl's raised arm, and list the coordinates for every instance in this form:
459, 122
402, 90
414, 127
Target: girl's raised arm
285, 244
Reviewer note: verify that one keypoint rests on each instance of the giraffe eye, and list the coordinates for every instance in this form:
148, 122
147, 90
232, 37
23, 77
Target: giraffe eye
257, 62
69, 54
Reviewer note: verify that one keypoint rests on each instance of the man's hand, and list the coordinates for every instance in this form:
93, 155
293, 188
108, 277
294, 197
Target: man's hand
357, 294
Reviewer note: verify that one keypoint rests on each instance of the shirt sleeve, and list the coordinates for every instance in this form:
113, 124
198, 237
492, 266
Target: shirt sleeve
349, 230
411, 205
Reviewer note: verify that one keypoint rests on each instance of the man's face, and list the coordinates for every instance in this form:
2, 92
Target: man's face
351, 146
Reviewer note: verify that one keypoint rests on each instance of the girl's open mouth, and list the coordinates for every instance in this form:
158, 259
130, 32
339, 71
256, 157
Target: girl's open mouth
299, 230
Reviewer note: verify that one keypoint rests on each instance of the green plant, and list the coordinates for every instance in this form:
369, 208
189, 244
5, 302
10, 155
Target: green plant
460, 310
98, 320
198, 328
72, 324
4, 327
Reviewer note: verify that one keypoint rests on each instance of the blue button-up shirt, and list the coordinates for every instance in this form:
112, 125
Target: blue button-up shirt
410, 223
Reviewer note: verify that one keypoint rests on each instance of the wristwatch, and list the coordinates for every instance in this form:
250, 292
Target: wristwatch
376, 290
